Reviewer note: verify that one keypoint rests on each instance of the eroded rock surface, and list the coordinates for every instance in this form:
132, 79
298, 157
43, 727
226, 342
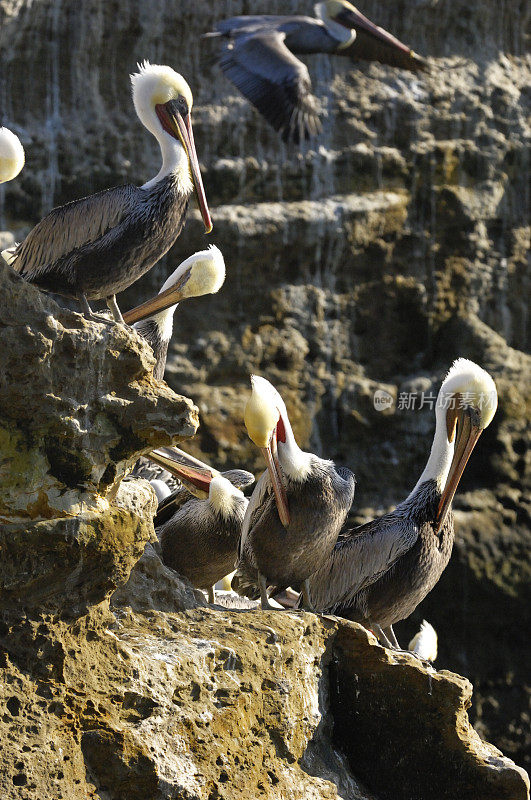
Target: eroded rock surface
395, 243
77, 404
217, 704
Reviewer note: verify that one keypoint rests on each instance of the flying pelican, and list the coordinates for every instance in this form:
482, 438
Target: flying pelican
11, 155
296, 509
97, 246
202, 273
257, 56
199, 524
379, 572
424, 643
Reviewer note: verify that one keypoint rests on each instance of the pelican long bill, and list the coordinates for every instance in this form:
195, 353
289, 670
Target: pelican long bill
162, 301
352, 18
271, 458
467, 436
194, 474
179, 126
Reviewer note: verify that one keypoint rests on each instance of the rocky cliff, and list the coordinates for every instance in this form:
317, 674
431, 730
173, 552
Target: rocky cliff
393, 244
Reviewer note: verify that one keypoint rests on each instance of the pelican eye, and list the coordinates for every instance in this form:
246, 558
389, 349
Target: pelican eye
182, 105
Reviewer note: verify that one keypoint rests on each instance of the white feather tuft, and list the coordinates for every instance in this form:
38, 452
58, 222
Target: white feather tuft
424, 643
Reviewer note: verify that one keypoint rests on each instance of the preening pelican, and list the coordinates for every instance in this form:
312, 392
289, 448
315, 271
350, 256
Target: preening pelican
95, 247
296, 509
11, 155
202, 273
424, 643
199, 525
257, 57
379, 572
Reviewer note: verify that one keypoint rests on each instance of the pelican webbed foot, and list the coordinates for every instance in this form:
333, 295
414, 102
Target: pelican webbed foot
89, 313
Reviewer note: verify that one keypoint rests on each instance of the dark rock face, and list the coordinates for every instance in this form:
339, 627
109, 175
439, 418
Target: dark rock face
396, 243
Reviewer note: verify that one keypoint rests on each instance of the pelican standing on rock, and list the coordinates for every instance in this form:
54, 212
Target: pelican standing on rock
199, 524
203, 273
95, 247
257, 56
11, 155
297, 507
379, 572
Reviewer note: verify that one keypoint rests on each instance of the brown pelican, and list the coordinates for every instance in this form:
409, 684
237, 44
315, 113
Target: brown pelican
202, 273
296, 509
424, 643
257, 57
97, 246
11, 155
379, 572
199, 524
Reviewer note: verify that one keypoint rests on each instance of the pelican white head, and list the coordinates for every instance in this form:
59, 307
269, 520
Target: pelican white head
466, 405
163, 102
11, 155
223, 497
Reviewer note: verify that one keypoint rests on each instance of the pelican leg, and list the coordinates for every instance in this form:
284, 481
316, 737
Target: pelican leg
89, 313
211, 595
264, 600
388, 639
382, 636
306, 602
113, 308
389, 632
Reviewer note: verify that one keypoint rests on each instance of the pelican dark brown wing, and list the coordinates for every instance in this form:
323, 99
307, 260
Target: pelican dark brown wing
360, 557
260, 65
99, 245
72, 226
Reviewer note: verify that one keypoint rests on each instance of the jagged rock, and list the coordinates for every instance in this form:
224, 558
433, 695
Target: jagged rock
439, 234
77, 404
233, 705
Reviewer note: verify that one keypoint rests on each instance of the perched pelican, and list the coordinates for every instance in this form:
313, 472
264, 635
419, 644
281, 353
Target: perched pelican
199, 525
11, 155
424, 643
202, 273
296, 509
95, 247
379, 572
257, 57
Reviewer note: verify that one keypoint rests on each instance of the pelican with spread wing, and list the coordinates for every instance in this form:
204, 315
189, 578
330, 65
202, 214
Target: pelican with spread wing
258, 55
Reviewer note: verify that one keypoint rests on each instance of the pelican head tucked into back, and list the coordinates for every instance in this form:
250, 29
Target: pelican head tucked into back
379, 572
203, 273
199, 524
95, 247
297, 507
11, 155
